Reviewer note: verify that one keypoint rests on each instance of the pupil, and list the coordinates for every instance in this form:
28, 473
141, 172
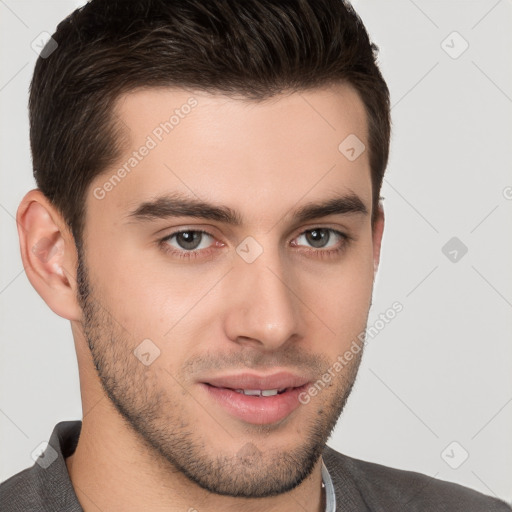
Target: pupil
318, 237
189, 239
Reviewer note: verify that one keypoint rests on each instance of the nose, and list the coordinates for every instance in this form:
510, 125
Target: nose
263, 310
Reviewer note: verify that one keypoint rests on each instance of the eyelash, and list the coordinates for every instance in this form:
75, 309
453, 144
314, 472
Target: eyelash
195, 253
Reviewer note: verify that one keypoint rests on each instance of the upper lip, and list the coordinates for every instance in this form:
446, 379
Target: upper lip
279, 380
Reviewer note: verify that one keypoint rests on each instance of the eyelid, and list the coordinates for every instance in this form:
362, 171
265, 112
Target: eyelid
193, 253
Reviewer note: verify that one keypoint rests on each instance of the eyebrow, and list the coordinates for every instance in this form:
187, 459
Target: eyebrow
177, 205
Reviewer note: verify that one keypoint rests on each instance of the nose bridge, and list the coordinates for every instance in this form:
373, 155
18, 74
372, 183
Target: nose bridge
263, 309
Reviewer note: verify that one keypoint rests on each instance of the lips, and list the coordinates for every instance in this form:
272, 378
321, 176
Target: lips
256, 399
279, 381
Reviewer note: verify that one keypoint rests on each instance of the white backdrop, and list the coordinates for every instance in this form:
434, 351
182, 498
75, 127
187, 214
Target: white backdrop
434, 393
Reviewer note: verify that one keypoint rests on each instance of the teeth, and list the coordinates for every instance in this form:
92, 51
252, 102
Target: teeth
258, 392
252, 392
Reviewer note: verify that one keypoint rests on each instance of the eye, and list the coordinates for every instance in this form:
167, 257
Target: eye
194, 243
188, 240
321, 238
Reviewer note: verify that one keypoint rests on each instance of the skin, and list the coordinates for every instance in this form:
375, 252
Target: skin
152, 432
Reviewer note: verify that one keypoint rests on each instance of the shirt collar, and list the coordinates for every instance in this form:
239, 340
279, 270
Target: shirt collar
330, 496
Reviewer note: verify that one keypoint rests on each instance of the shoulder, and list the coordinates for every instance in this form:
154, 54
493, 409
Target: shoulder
386, 488
20, 492
38, 490
45, 486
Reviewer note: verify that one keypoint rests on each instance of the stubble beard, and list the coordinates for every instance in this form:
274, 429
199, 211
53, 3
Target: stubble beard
145, 399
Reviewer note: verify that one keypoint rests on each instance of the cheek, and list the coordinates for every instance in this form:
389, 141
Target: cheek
355, 271
341, 295
126, 289
344, 308
154, 300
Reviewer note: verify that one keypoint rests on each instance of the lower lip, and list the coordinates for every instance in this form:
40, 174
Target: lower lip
258, 410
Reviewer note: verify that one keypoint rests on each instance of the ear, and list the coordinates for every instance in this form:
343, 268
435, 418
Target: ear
49, 254
378, 229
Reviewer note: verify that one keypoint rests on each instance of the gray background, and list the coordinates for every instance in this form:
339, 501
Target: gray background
440, 372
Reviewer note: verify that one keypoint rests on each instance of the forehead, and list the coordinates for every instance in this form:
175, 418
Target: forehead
256, 156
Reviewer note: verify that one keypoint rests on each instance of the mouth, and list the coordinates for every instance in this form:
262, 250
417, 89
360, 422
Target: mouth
256, 399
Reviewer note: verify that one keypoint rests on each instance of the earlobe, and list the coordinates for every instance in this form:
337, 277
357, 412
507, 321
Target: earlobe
48, 253
378, 229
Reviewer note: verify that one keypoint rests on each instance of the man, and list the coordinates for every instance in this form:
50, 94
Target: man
207, 217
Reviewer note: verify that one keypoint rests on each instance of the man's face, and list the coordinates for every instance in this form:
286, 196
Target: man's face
265, 303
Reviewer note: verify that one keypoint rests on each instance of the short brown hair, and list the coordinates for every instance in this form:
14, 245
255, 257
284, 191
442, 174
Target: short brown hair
256, 48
